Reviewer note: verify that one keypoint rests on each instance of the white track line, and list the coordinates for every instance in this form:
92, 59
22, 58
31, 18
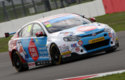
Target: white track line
95, 75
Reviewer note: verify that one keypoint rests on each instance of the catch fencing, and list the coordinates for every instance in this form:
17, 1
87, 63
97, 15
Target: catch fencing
89, 9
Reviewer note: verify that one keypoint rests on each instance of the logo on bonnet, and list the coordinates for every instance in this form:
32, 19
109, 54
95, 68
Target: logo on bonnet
86, 28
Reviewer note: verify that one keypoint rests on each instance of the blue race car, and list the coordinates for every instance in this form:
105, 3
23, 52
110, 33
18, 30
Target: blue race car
55, 38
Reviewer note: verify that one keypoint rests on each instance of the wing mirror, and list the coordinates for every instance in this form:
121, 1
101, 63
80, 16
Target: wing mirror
7, 35
93, 19
38, 34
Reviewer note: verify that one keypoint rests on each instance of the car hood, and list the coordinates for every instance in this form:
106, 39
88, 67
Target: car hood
80, 30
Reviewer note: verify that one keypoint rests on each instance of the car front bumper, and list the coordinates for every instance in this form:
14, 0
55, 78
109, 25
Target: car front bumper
108, 41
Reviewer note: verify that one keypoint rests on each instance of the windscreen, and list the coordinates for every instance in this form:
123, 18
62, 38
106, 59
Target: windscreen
66, 22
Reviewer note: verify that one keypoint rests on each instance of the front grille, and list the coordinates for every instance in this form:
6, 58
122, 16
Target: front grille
99, 32
92, 35
96, 45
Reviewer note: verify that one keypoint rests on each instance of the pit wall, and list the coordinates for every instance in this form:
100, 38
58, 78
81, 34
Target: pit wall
89, 9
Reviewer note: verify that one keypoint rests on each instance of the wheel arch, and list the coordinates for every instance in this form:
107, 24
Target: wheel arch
55, 44
60, 57
51, 45
12, 54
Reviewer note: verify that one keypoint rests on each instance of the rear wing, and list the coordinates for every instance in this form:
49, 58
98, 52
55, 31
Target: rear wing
7, 34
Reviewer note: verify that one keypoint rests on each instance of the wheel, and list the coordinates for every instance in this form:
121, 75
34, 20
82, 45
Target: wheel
55, 55
113, 48
19, 66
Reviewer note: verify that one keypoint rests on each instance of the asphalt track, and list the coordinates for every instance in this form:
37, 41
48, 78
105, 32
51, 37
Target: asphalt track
96, 64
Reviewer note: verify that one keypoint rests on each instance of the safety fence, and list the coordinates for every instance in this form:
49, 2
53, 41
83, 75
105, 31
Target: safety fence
13, 9
89, 9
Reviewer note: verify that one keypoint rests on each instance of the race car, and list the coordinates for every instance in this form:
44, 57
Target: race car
52, 39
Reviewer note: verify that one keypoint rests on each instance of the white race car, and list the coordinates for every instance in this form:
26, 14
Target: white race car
54, 38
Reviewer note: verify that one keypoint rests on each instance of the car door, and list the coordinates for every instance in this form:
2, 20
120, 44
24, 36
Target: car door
40, 42
24, 42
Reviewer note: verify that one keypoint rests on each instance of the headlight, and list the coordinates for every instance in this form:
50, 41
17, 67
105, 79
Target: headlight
71, 38
107, 29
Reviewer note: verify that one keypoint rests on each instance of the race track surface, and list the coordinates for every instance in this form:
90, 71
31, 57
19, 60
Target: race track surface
96, 64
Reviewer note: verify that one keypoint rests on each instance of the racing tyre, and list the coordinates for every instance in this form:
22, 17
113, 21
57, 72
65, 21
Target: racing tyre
55, 55
19, 66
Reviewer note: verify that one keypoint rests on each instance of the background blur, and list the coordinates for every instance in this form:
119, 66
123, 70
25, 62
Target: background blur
16, 13
12, 9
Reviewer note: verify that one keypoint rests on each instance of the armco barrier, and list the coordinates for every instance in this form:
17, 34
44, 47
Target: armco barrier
112, 6
89, 9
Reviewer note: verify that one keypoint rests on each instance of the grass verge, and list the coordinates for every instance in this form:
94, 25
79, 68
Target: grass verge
4, 44
111, 77
115, 20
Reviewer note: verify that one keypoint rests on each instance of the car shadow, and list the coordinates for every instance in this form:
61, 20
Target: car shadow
77, 59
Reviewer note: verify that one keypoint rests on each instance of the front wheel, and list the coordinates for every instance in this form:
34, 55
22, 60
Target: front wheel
55, 55
17, 63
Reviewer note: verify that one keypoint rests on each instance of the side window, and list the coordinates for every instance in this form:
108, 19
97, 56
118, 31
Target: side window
37, 28
26, 31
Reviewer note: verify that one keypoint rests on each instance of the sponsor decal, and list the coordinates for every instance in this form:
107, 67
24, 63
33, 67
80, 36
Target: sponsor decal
86, 28
42, 48
110, 34
31, 65
77, 49
96, 40
80, 42
61, 19
74, 45
63, 48
21, 50
29, 28
66, 33
66, 53
43, 53
33, 50
47, 24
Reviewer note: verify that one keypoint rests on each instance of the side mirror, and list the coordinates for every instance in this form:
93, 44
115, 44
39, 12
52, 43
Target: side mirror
38, 34
6, 35
93, 19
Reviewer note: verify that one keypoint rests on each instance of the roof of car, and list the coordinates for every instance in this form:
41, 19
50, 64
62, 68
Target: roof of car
54, 16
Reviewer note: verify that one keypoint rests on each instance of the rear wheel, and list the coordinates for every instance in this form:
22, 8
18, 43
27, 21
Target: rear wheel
19, 66
55, 54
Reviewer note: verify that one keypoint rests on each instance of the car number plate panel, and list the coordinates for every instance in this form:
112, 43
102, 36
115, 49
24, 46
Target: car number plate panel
96, 40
